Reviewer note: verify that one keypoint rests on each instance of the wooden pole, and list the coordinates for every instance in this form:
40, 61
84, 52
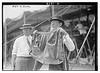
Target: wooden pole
52, 11
24, 18
5, 48
76, 46
89, 47
85, 51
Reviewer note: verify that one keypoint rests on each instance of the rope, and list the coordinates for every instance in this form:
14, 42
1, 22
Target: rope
83, 42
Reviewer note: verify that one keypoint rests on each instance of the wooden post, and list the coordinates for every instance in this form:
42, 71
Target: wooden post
76, 45
89, 47
52, 11
85, 51
5, 46
24, 17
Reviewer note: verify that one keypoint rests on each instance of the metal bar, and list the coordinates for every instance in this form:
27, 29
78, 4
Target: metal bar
84, 42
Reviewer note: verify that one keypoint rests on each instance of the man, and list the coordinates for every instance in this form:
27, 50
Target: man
54, 52
81, 28
21, 59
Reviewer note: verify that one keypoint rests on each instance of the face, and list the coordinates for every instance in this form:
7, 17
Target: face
27, 31
55, 24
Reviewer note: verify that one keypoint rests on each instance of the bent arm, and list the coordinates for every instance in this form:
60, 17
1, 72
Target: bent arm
68, 42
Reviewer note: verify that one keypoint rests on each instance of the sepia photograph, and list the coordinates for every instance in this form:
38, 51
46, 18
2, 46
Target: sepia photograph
49, 36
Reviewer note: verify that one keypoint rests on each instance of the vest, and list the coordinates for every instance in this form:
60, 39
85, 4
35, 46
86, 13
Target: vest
55, 45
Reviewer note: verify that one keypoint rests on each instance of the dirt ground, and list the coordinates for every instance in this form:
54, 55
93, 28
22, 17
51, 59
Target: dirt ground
75, 68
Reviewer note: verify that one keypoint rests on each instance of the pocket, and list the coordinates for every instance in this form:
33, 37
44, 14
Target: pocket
61, 55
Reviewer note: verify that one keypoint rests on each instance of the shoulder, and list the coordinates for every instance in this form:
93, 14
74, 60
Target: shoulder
19, 38
62, 30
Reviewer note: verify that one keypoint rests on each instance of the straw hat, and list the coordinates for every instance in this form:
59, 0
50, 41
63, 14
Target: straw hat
26, 26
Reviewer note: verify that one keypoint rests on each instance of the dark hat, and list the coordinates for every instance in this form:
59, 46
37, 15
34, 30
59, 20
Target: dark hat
26, 26
58, 18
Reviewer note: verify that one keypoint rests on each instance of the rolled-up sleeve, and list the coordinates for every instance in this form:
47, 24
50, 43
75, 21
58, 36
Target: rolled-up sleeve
68, 42
15, 47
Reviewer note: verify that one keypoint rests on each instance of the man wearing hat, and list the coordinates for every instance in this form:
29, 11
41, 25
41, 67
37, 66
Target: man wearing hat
21, 59
54, 52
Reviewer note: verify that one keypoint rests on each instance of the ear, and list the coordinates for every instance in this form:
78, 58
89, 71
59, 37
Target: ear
60, 24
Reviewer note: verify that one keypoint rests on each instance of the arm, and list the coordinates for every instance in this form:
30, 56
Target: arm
14, 52
68, 42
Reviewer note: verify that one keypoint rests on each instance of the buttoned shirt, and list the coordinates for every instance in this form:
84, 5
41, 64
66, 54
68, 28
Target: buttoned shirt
21, 46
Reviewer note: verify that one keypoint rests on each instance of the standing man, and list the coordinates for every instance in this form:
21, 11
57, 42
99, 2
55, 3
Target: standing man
54, 52
21, 59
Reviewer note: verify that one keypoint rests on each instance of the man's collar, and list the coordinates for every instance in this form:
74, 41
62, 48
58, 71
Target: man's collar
27, 36
54, 28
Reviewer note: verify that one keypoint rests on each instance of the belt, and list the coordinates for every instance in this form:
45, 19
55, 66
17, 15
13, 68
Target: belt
23, 57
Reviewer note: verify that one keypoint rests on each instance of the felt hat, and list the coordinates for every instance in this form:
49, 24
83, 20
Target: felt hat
58, 18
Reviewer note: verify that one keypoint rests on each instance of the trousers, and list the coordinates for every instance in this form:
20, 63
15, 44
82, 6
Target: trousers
24, 63
52, 67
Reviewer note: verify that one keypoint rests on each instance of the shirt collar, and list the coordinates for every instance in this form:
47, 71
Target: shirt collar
54, 28
28, 36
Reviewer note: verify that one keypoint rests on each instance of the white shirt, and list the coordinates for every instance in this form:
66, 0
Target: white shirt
21, 47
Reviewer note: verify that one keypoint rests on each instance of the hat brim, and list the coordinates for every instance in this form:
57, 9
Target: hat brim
57, 20
25, 27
